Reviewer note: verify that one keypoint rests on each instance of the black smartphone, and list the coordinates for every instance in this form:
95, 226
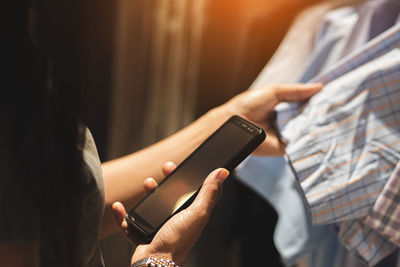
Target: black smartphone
226, 147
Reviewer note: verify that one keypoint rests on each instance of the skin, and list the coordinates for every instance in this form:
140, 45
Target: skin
125, 181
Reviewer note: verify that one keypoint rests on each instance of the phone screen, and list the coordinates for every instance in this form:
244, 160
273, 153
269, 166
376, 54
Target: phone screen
216, 152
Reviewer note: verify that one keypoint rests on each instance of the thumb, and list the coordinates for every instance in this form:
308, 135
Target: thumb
209, 192
295, 91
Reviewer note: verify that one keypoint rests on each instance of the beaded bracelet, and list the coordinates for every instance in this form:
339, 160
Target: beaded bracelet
154, 262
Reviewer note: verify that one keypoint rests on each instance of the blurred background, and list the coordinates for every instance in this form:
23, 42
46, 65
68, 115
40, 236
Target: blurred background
160, 64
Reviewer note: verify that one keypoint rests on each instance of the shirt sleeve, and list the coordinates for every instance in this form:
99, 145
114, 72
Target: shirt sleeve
385, 215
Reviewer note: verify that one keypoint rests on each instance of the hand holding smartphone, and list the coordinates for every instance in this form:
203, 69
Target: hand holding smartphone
226, 147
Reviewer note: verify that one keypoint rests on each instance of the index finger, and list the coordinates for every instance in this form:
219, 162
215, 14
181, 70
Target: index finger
168, 167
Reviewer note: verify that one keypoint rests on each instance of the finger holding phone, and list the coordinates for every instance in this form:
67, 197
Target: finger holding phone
165, 217
178, 235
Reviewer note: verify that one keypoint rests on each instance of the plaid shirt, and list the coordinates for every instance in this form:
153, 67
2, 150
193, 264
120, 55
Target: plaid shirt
385, 215
345, 143
358, 237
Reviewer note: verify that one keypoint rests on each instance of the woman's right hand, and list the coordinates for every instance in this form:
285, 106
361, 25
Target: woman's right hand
258, 105
178, 235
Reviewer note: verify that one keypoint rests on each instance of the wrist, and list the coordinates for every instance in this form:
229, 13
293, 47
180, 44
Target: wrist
220, 114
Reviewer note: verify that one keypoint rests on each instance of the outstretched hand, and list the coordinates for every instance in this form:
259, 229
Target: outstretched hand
178, 235
257, 106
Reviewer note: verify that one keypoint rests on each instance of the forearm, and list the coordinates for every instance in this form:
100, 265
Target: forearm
124, 177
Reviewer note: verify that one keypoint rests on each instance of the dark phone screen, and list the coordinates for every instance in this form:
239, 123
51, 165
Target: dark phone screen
189, 176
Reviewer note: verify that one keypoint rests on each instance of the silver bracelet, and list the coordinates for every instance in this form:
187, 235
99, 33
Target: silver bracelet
154, 262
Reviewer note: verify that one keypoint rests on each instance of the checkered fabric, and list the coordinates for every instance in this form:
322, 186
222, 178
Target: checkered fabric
385, 215
365, 241
345, 143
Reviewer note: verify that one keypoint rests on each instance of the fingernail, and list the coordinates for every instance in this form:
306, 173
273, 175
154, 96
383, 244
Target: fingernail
115, 204
222, 174
319, 84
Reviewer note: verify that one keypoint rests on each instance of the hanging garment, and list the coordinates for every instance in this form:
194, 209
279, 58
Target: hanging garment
345, 143
271, 177
385, 215
382, 246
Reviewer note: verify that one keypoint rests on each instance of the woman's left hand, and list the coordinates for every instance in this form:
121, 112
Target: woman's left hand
178, 235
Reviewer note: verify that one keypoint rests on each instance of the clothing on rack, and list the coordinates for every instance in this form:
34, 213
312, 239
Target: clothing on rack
271, 177
333, 42
345, 143
385, 215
